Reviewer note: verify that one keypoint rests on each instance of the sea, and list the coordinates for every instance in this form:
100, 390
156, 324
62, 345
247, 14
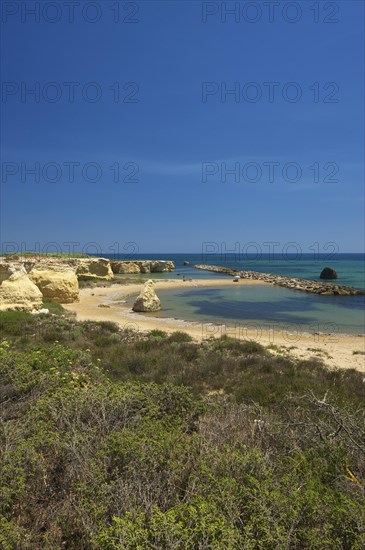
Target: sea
263, 307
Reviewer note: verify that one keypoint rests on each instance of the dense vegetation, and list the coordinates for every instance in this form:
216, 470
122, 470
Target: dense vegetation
117, 440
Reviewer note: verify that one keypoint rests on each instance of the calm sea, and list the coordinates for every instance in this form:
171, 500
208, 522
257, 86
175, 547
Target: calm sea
266, 306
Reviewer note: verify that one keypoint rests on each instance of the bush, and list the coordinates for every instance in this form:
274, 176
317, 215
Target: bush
15, 323
259, 451
238, 347
179, 337
156, 334
54, 307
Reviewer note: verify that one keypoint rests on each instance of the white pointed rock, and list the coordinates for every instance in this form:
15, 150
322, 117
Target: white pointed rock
147, 299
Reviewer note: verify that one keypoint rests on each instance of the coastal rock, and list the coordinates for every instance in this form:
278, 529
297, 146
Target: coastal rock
142, 266
95, 267
147, 299
84, 267
17, 291
161, 266
119, 267
328, 273
61, 286
186, 263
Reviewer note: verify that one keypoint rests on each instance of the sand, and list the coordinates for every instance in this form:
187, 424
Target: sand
109, 304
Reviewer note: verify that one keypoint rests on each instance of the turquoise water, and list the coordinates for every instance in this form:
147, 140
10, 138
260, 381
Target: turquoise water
350, 267
266, 305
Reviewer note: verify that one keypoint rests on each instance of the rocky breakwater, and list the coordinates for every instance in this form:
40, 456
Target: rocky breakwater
304, 285
141, 266
147, 299
218, 269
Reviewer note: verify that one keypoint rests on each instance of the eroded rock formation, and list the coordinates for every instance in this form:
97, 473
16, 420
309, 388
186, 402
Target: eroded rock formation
94, 267
147, 299
142, 266
26, 281
17, 291
119, 267
59, 285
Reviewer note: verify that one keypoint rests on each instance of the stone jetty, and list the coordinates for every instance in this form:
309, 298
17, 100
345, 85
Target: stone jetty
304, 285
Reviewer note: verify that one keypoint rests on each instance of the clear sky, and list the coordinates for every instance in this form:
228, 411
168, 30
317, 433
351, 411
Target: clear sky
132, 136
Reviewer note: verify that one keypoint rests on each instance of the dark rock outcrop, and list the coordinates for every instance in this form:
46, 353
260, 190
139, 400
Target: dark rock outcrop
328, 273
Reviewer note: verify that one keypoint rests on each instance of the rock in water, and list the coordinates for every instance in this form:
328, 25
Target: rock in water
58, 285
17, 291
147, 299
328, 273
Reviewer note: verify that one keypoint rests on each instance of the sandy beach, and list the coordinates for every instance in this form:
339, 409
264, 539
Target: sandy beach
110, 304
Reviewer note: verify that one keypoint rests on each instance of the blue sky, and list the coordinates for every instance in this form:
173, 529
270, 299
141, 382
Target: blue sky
174, 132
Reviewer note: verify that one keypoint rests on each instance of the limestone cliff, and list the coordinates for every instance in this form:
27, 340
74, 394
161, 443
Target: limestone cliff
93, 267
83, 267
17, 291
142, 266
59, 285
26, 281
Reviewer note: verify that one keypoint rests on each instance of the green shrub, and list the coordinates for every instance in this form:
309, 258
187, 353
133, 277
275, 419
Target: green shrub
54, 307
198, 524
238, 347
179, 337
15, 323
10, 535
211, 446
156, 334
